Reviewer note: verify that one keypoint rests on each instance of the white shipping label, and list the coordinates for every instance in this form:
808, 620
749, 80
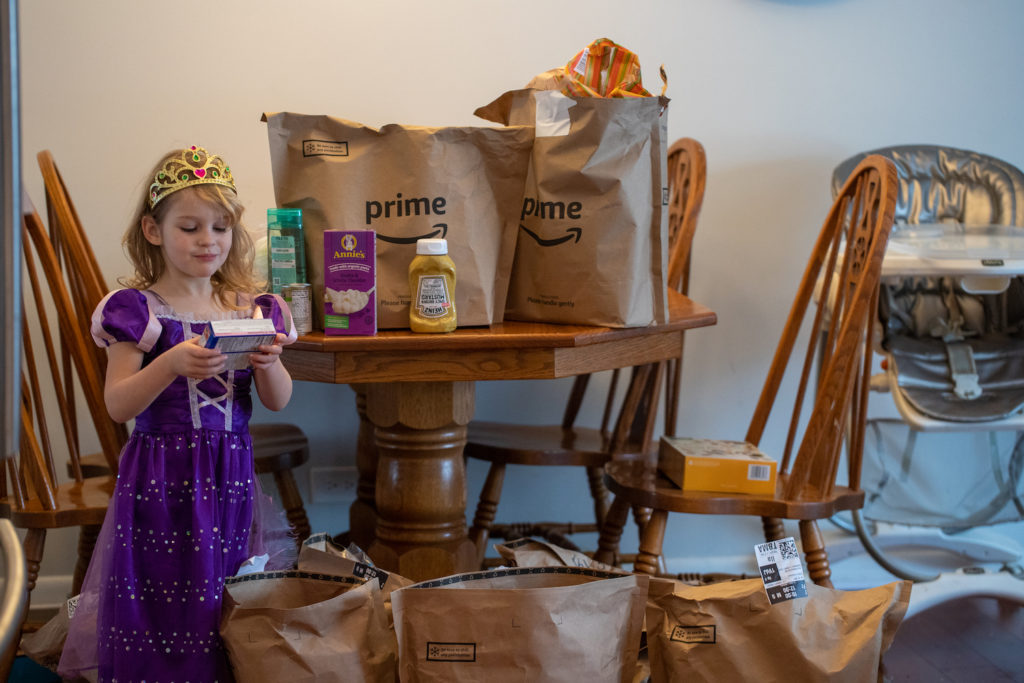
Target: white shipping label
781, 571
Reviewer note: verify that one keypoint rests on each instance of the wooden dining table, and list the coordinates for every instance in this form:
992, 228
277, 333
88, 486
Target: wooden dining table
415, 396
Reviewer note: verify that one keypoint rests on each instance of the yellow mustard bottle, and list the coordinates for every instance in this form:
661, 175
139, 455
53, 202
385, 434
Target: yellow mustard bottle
432, 285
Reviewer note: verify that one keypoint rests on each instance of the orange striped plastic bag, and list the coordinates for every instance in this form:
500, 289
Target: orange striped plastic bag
601, 69
604, 69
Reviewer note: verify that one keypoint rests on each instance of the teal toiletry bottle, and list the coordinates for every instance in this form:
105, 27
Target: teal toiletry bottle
286, 248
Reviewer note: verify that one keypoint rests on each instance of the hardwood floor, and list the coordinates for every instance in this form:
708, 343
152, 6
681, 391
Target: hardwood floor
973, 639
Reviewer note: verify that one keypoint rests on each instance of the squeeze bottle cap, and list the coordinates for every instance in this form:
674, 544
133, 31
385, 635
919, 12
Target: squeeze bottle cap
432, 247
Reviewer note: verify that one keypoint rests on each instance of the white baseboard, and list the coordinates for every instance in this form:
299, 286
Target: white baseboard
51, 591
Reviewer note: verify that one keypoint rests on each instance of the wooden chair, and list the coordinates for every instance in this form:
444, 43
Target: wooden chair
86, 288
845, 264
630, 432
32, 497
687, 168
278, 448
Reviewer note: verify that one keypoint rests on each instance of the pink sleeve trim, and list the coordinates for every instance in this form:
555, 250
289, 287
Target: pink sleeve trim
100, 335
293, 334
152, 333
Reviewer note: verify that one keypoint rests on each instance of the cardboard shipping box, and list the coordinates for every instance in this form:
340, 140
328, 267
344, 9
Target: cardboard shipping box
712, 465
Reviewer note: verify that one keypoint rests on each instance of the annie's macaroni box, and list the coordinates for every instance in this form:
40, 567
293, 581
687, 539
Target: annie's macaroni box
350, 282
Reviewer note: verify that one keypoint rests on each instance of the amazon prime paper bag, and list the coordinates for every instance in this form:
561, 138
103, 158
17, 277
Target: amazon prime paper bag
521, 624
405, 183
730, 632
320, 554
529, 552
592, 245
299, 626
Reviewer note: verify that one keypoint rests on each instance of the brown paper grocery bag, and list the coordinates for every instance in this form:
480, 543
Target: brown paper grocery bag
298, 626
730, 632
320, 554
529, 552
406, 182
45, 645
521, 624
592, 247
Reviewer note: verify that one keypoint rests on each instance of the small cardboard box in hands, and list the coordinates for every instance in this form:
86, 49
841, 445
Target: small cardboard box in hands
238, 338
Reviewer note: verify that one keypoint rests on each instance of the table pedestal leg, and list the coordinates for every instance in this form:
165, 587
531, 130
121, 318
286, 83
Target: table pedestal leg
420, 431
362, 514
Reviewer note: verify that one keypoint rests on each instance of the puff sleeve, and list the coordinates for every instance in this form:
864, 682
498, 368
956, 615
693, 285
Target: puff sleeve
274, 307
124, 316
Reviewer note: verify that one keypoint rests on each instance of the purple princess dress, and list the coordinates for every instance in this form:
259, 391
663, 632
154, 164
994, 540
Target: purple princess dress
182, 515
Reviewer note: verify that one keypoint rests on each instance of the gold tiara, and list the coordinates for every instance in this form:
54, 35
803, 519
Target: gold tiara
194, 166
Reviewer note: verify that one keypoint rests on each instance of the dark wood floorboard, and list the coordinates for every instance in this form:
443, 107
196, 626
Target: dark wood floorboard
972, 640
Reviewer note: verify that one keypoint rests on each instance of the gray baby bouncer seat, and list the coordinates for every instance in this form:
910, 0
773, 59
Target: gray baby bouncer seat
951, 339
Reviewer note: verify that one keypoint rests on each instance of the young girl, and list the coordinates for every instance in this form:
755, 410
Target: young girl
180, 518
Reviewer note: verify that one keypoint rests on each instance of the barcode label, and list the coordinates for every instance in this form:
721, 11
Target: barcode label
787, 549
781, 571
759, 472
581, 63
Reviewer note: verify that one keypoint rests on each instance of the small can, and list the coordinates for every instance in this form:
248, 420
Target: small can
299, 297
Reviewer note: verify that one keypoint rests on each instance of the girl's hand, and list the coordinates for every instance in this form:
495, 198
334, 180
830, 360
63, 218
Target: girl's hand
268, 355
191, 360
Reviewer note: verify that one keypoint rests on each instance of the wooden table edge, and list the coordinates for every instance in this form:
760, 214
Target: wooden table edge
684, 314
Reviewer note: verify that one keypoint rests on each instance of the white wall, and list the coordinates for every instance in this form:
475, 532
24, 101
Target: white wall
778, 91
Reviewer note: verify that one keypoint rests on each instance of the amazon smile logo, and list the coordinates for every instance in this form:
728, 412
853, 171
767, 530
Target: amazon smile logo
558, 211
440, 230
571, 234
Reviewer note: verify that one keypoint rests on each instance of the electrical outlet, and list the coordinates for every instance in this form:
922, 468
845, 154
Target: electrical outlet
333, 484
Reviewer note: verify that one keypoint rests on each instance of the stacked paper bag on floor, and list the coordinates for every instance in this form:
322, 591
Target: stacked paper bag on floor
529, 552
319, 553
729, 631
45, 645
298, 626
592, 244
526, 624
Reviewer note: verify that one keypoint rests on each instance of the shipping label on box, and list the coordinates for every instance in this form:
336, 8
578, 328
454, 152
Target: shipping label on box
350, 282
719, 466
238, 338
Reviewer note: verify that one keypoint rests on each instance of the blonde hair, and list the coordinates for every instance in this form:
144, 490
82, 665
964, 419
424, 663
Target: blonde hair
235, 276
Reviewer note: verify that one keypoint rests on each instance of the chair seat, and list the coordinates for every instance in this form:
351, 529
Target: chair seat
93, 465
634, 482
78, 504
278, 446
518, 444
